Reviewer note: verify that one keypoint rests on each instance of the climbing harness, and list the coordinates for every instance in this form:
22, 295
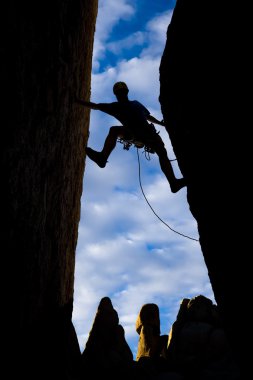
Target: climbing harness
127, 143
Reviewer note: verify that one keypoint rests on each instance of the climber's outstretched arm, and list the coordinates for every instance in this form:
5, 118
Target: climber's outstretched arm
154, 120
88, 104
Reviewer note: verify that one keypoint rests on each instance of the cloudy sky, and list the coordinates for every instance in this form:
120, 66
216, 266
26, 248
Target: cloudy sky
124, 251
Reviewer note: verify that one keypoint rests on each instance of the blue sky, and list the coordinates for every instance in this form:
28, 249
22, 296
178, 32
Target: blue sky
124, 251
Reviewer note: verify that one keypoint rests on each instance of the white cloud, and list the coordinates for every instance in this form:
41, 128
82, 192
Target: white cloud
156, 34
153, 35
135, 39
110, 13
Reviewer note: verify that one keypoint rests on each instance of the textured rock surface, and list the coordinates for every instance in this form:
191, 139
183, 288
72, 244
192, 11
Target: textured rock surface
197, 345
198, 101
47, 54
106, 351
148, 327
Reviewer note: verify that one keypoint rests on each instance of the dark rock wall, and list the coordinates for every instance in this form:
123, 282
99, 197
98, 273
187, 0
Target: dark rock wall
198, 96
46, 61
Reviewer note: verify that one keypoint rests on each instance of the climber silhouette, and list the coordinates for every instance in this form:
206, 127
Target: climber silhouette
134, 118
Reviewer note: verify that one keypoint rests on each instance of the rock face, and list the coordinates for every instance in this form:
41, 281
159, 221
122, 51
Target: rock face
148, 328
196, 347
197, 344
46, 61
151, 344
198, 101
106, 351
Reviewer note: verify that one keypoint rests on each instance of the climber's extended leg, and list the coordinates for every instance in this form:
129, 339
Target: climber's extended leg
110, 142
175, 183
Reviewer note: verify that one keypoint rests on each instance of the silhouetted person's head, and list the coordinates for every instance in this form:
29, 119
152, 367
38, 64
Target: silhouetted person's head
120, 90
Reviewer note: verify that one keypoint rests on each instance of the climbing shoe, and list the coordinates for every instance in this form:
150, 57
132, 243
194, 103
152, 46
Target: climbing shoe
177, 185
97, 157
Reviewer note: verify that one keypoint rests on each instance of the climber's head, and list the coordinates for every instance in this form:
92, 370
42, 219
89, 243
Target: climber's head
120, 90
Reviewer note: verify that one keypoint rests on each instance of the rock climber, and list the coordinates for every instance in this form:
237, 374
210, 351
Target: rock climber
137, 123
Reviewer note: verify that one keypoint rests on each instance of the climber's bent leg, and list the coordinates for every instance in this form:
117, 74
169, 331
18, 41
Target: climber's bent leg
175, 183
110, 142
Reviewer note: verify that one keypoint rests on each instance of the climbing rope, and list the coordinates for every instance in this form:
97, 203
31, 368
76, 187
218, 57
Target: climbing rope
179, 233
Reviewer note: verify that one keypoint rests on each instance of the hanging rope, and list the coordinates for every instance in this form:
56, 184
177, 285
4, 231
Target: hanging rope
179, 233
